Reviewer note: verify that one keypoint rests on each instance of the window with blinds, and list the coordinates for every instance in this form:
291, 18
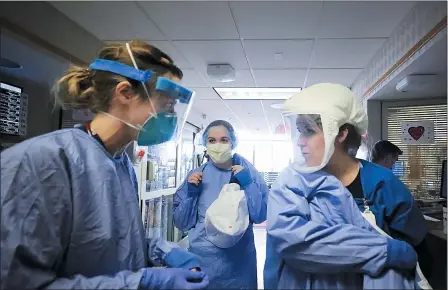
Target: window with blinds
422, 164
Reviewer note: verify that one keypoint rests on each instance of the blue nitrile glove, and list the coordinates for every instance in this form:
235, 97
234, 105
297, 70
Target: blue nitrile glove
193, 189
180, 258
400, 255
173, 279
244, 178
158, 249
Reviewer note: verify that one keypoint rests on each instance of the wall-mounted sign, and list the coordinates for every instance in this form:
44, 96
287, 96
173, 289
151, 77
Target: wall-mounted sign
418, 133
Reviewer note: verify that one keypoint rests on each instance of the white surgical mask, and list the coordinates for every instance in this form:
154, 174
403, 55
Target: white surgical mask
219, 153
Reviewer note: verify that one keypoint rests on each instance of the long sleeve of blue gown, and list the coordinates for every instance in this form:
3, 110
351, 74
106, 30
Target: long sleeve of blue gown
185, 205
255, 189
404, 219
162, 252
36, 220
256, 192
316, 248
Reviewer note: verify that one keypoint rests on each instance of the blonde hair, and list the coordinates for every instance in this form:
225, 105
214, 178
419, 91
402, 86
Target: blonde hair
83, 88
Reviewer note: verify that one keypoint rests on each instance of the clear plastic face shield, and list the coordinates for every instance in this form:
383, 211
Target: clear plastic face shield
315, 115
171, 103
311, 140
175, 104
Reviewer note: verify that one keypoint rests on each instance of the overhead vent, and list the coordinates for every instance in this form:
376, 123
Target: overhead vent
222, 73
416, 83
256, 93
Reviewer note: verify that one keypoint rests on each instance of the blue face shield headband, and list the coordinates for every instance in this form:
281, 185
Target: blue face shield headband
164, 126
163, 85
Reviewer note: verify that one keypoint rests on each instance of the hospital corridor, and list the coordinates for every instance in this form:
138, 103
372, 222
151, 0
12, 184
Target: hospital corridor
223, 144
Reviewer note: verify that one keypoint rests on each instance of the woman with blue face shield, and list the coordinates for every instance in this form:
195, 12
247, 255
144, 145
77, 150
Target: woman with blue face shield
70, 216
229, 261
326, 210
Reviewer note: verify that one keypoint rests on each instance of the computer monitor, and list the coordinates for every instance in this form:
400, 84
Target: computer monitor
443, 180
13, 107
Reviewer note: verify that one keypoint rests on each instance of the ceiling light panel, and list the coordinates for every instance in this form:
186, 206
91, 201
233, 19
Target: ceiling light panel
256, 93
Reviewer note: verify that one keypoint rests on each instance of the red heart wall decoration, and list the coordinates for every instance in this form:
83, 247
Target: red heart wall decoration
416, 132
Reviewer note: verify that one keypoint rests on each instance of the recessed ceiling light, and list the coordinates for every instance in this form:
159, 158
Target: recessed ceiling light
7, 63
277, 106
256, 93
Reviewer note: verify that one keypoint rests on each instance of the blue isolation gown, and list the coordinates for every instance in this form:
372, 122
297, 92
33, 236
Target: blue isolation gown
231, 268
318, 239
392, 204
70, 216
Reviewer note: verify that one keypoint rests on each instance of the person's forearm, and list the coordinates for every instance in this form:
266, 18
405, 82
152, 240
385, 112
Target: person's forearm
314, 248
256, 195
43, 280
256, 202
185, 206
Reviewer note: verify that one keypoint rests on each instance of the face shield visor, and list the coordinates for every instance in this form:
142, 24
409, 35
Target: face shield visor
313, 138
171, 103
175, 102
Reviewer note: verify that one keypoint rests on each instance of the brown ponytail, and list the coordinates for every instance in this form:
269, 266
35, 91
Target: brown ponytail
75, 89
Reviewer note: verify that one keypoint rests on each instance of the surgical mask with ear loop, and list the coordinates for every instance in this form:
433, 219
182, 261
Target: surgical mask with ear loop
162, 126
219, 153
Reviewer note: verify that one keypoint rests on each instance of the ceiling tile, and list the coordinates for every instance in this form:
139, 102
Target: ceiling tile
276, 19
192, 20
344, 53
243, 79
202, 53
280, 78
206, 94
250, 113
244, 108
257, 124
168, 48
371, 18
214, 109
165, 46
192, 79
344, 77
115, 21
263, 54
274, 115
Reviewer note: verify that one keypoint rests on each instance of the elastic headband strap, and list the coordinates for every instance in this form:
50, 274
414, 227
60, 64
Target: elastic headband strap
121, 69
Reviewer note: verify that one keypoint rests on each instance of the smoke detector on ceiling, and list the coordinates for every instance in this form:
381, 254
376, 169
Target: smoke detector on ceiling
222, 73
416, 83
